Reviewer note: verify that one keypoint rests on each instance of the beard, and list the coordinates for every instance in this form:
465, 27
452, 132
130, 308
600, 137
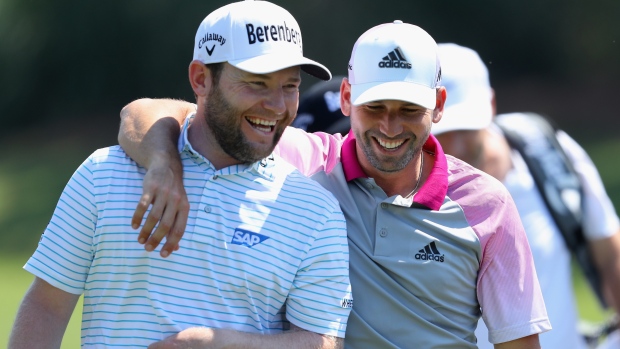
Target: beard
388, 163
225, 123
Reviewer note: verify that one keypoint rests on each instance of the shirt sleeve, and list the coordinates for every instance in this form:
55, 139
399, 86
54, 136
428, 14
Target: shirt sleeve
65, 251
320, 298
508, 289
309, 152
600, 218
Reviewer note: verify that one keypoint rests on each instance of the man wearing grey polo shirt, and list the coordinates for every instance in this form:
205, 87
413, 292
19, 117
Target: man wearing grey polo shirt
432, 240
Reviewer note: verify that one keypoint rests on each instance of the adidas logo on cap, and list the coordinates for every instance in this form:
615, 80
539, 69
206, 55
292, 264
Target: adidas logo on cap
407, 72
430, 253
395, 59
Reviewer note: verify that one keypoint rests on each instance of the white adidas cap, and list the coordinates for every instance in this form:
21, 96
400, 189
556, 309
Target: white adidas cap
256, 36
466, 78
395, 61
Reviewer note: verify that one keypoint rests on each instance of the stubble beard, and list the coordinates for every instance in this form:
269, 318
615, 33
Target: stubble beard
388, 165
225, 124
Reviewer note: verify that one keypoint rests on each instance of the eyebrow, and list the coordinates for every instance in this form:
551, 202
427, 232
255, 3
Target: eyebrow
405, 104
267, 77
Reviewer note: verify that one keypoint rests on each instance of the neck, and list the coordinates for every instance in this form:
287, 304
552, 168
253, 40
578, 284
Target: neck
203, 141
401, 182
495, 158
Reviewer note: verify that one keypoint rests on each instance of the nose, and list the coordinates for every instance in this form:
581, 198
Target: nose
390, 125
275, 101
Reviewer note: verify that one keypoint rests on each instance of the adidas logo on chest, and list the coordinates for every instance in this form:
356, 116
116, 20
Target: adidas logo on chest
430, 252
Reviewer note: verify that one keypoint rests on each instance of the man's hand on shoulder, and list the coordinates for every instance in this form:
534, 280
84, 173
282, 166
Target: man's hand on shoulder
163, 190
149, 133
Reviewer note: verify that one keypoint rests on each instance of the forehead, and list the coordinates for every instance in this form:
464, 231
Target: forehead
291, 73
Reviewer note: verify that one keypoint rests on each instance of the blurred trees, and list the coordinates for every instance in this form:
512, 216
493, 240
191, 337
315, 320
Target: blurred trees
68, 67
72, 60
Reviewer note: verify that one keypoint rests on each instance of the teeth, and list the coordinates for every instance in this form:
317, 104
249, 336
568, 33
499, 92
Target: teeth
390, 145
258, 121
264, 129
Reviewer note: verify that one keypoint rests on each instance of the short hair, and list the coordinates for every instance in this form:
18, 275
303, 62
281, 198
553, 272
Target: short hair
216, 71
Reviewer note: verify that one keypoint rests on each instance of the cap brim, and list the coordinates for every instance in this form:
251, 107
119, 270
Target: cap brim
475, 115
270, 63
394, 90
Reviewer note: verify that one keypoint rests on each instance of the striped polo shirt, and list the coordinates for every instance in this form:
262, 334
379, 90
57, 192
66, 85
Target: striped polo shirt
423, 271
264, 244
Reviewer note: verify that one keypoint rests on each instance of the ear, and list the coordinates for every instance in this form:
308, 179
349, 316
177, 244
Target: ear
345, 97
442, 94
200, 78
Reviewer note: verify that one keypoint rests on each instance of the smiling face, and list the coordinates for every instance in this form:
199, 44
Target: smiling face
247, 113
389, 133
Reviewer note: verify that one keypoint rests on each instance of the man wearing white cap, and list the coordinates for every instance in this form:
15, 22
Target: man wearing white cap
468, 132
431, 239
257, 268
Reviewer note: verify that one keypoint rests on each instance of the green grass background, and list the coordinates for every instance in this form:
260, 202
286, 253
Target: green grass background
35, 169
15, 282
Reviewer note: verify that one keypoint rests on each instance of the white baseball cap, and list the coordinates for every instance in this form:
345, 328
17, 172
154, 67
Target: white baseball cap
395, 61
466, 78
255, 36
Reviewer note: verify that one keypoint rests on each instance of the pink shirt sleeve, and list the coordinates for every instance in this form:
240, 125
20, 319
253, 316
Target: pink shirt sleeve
310, 152
508, 289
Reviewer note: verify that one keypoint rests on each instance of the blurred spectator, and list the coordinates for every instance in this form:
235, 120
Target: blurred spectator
319, 109
468, 131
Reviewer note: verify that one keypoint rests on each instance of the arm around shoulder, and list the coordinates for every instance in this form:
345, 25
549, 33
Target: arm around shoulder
42, 317
148, 133
146, 122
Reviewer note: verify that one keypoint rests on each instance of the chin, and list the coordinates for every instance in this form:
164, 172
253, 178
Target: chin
263, 150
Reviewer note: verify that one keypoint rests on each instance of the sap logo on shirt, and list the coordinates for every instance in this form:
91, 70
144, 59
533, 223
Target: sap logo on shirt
247, 238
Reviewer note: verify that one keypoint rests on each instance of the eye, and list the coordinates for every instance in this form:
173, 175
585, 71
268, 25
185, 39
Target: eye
412, 111
291, 87
374, 107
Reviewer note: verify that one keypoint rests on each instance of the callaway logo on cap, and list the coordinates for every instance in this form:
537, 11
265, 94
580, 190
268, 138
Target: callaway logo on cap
395, 61
255, 36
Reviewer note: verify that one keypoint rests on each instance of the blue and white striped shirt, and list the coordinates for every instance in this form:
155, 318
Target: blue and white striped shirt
263, 245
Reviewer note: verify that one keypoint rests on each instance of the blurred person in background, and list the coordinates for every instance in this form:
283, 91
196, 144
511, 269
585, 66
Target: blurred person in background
319, 109
468, 131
